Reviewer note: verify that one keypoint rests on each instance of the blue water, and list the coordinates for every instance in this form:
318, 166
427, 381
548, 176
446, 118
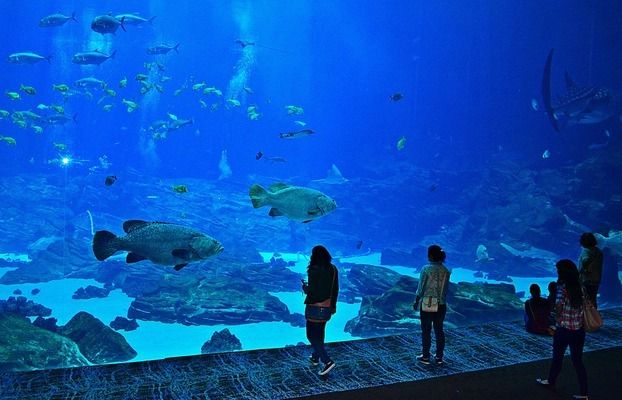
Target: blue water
468, 73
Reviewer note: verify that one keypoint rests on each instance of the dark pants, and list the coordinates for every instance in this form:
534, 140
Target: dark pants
429, 319
591, 291
562, 339
315, 334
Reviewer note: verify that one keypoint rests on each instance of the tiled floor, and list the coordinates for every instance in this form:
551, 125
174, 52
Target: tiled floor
286, 373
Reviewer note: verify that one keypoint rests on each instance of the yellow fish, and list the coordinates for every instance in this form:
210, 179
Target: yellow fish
13, 95
37, 128
9, 140
401, 143
123, 83
107, 107
61, 88
60, 146
131, 106
28, 90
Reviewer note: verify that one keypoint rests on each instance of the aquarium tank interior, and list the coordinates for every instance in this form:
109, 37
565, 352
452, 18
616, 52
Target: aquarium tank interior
167, 167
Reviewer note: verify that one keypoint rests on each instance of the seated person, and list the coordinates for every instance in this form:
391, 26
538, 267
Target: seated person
537, 312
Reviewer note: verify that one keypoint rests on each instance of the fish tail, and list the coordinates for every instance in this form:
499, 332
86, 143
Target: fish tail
175, 47
105, 244
113, 53
121, 23
49, 59
73, 16
258, 195
150, 20
546, 91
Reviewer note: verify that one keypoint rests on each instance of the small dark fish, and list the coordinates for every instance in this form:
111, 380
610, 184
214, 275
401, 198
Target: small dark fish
359, 244
258, 155
433, 187
297, 134
396, 96
244, 43
110, 179
162, 49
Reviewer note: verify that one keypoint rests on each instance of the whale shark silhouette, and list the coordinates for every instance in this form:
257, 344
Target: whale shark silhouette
580, 104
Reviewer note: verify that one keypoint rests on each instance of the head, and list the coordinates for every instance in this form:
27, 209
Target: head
436, 253
205, 246
568, 275
552, 287
325, 204
320, 256
588, 240
534, 289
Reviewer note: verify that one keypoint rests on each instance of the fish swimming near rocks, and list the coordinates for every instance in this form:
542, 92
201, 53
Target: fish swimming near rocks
56, 20
27, 58
91, 57
296, 134
159, 242
107, 24
580, 105
295, 202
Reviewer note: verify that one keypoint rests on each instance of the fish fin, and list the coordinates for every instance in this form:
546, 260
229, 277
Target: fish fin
176, 46
275, 212
104, 244
258, 195
184, 254
275, 187
179, 266
307, 221
133, 258
546, 91
150, 20
131, 224
121, 23
314, 211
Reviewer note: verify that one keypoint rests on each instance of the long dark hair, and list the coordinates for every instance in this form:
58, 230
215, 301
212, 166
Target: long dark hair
320, 257
569, 275
436, 253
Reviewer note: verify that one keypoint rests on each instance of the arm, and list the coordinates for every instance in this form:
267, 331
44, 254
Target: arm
335, 293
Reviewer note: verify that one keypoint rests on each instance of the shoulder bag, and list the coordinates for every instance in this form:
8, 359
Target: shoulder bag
592, 321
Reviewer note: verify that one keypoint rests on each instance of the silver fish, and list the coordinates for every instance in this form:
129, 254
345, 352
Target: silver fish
56, 20
133, 19
27, 58
159, 242
162, 49
91, 57
296, 134
107, 24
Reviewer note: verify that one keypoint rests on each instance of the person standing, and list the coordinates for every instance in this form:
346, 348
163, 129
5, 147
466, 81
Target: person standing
590, 266
569, 332
431, 302
322, 289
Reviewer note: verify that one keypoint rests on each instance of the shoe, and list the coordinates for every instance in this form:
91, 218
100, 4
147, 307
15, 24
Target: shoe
580, 396
314, 361
327, 367
423, 360
544, 382
439, 361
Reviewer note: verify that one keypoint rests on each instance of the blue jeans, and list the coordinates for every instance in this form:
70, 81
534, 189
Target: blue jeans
563, 339
315, 334
429, 319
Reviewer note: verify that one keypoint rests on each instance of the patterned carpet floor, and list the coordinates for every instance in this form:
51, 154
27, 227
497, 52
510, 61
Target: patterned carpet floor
286, 373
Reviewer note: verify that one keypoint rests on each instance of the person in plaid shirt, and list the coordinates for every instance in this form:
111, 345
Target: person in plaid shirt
569, 322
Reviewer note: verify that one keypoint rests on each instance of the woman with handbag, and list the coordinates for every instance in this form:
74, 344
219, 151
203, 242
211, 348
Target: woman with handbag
570, 331
431, 302
322, 290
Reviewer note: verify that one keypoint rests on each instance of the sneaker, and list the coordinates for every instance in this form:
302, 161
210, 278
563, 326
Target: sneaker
314, 361
439, 361
423, 360
544, 382
327, 367
580, 396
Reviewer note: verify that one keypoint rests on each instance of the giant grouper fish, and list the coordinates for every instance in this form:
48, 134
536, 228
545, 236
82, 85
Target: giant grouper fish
295, 202
159, 242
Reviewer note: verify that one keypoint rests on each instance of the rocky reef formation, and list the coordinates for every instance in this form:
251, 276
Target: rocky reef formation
121, 323
24, 307
90, 292
221, 341
97, 342
27, 347
391, 311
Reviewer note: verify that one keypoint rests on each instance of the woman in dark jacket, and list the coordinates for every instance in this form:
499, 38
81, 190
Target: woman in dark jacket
322, 290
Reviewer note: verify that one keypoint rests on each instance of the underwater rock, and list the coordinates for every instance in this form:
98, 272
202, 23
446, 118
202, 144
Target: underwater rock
97, 342
24, 307
370, 280
25, 347
49, 324
17, 292
35, 291
223, 341
297, 320
90, 292
498, 276
467, 303
122, 323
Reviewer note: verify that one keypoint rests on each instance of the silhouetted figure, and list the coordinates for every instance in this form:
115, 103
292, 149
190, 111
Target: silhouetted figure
537, 312
590, 266
569, 332
431, 302
610, 289
322, 290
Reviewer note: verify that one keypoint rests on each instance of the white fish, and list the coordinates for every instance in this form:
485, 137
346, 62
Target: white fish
607, 133
172, 116
301, 123
546, 154
534, 104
